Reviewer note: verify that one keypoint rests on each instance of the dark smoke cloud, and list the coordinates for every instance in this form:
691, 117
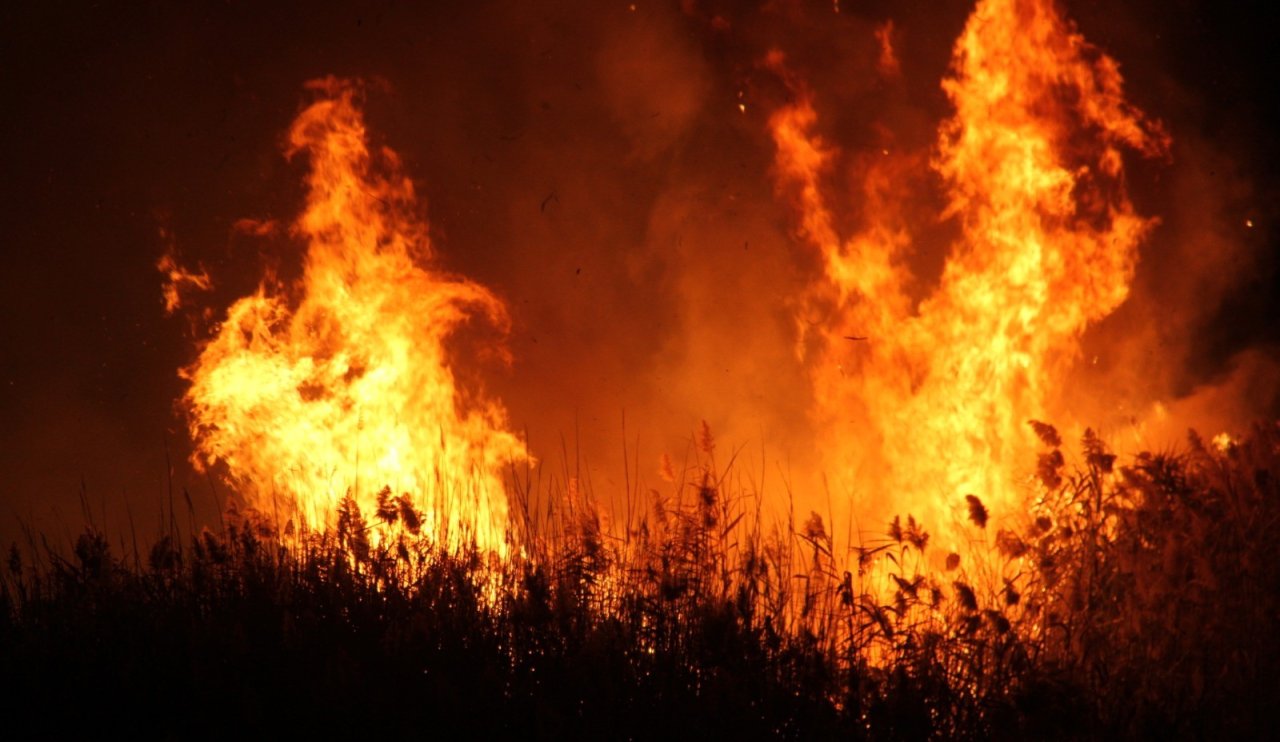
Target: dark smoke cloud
591, 164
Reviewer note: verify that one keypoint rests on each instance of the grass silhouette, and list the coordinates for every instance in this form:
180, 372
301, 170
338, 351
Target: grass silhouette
1139, 598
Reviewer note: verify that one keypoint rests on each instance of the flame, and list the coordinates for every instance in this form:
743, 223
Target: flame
924, 403
178, 279
342, 384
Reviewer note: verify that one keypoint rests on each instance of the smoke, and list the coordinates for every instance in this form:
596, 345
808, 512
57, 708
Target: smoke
1195, 346
606, 170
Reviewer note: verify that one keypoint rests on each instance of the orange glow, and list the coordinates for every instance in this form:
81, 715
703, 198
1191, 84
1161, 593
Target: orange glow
342, 384
887, 62
921, 404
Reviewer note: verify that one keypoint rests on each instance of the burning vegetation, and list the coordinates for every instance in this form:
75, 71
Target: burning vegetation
339, 390
931, 397
392, 552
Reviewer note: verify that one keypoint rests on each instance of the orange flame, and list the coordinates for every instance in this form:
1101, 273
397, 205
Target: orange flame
349, 388
925, 404
178, 279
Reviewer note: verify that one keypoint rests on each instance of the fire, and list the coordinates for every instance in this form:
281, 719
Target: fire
179, 279
342, 384
923, 403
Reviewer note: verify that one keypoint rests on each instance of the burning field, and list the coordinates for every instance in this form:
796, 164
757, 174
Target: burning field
777, 369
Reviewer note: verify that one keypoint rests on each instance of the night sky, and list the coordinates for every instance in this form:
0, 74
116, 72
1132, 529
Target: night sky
585, 160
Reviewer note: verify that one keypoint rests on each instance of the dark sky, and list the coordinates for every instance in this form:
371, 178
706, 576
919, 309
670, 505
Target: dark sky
584, 160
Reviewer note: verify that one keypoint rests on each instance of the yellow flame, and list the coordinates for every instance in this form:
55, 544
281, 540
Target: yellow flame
342, 384
922, 405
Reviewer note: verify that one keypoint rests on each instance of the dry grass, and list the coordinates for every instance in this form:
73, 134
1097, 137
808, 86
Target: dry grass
1139, 598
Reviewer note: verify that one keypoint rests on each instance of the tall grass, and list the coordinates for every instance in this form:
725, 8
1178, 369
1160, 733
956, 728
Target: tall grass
1139, 597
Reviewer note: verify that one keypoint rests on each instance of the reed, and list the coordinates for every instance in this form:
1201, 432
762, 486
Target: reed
1138, 598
